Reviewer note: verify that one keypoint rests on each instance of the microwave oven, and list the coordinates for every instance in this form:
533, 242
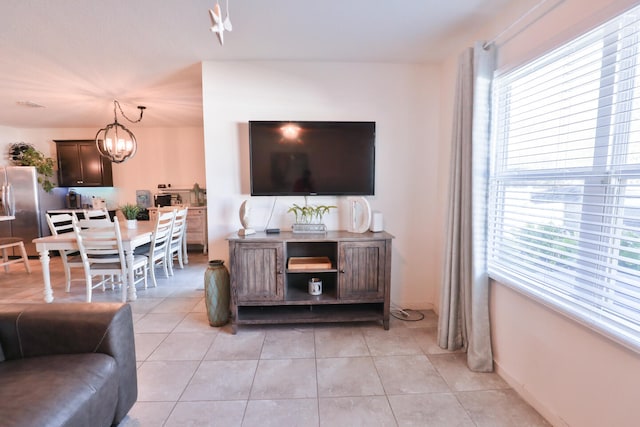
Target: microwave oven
160, 200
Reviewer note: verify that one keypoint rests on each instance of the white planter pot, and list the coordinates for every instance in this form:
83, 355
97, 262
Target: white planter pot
132, 223
308, 228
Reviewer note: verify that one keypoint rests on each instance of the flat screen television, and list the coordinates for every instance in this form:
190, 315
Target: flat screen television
290, 158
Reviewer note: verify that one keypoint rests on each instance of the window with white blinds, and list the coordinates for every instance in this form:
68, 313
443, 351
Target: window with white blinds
564, 195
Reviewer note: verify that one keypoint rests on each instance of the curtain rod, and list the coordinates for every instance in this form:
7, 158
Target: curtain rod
520, 19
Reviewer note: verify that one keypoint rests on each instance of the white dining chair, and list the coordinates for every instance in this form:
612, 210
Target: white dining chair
175, 245
60, 224
96, 213
95, 218
102, 255
156, 250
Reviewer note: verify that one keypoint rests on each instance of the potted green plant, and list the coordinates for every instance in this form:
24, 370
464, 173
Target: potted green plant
130, 212
309, 218
23, 154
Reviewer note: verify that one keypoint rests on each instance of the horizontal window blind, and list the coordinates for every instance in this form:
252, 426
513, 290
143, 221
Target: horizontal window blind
564, 187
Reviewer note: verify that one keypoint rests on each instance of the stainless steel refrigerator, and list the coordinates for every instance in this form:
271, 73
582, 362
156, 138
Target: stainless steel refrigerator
29, 203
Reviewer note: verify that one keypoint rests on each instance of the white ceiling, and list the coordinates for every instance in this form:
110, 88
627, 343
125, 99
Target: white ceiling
75, 57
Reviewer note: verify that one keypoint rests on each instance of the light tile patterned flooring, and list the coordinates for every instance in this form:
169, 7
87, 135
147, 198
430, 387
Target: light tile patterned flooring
191, 374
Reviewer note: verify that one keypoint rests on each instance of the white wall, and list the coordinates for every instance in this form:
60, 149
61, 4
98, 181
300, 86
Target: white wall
402, 99
572, 375
165, 155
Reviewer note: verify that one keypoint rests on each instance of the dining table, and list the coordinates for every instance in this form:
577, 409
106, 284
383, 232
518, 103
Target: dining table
131, 239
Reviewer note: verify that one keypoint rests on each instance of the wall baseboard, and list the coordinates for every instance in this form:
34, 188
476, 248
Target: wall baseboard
414, 305
521, 389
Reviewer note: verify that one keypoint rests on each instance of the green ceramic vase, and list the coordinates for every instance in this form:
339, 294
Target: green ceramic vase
217, 292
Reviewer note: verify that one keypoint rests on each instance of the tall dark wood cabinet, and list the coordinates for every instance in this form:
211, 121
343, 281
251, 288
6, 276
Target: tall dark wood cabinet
267, 287
81, 165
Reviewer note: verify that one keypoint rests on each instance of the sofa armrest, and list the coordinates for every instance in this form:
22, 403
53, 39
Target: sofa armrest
45, 329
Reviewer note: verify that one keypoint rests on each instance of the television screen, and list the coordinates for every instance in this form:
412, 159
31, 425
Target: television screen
312, 158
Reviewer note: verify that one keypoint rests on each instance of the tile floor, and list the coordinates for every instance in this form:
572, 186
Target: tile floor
191, 374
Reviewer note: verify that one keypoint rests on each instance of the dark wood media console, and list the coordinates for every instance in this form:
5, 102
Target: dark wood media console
355, 287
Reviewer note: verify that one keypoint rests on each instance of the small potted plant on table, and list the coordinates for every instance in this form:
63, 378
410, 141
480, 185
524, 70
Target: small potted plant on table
309, 218
130, 212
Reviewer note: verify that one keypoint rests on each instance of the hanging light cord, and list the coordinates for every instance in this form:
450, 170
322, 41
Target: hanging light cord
116, 103
271, 214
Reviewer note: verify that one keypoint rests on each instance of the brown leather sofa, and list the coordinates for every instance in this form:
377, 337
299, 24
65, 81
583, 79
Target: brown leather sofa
66, 364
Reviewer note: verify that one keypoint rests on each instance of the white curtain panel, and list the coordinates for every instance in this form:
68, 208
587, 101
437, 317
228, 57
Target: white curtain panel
464, 308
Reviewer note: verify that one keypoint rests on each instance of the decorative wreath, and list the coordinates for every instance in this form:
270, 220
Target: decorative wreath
23, 154
18, 152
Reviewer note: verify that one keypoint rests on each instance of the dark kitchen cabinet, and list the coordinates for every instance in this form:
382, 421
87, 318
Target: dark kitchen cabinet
81, 165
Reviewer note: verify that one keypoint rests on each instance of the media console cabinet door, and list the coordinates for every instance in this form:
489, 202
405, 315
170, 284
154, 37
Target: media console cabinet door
362, 270
257, 271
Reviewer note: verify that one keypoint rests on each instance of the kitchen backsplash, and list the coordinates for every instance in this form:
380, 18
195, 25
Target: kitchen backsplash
109, 194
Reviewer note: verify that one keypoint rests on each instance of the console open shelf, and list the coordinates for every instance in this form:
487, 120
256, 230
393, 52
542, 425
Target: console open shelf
308, 263
254, 315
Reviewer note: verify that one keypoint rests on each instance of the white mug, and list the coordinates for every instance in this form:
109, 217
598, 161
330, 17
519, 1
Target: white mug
315, 286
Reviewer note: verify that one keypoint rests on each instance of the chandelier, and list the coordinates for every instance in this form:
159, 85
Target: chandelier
115, 141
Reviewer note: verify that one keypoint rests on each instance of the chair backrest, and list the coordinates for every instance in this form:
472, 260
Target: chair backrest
161, 234
61, 223
96, 214
95, 218
179, 227
101, 248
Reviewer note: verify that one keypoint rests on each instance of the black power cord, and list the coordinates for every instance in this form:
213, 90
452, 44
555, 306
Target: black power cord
407, 315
